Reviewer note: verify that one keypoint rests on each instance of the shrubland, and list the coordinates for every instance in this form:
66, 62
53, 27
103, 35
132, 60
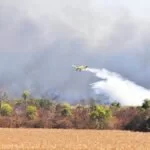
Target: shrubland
29, 112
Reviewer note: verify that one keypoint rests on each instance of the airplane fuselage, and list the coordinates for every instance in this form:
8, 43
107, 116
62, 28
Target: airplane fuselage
79, 68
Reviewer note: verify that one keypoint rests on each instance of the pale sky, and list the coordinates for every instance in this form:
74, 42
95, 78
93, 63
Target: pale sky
137, 8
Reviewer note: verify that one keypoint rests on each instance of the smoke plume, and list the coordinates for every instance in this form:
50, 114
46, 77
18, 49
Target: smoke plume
119, 89
41, 39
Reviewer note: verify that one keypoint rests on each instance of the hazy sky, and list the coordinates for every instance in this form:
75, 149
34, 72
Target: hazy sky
137, 8
41, 39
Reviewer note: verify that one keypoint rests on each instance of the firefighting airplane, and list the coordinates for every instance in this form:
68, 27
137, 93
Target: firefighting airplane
79, 68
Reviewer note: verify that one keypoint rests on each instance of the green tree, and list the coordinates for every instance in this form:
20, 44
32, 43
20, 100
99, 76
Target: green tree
115, 104
100, 115
146, 104
25, 95
31, 112
6, 109
3, 97
66, 110
45, 103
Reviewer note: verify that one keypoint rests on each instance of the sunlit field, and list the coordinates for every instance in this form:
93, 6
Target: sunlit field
58, 139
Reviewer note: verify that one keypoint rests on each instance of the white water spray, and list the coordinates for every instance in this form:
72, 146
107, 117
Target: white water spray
118, 88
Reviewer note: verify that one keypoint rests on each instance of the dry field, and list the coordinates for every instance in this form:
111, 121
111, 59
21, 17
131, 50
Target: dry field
57, 139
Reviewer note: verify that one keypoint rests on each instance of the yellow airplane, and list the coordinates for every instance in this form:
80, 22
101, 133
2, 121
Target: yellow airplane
79, 68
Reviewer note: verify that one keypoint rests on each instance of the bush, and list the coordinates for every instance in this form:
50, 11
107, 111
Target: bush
18, 102
44, 103
125, 115
31, 112
146, 104
63, 124
37, 123
25, 94
115, 104
99, 115
141, 122
66, 110
5, 122
100, 112
6, 109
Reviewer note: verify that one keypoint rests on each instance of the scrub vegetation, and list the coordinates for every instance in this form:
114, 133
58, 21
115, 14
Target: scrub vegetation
29, 112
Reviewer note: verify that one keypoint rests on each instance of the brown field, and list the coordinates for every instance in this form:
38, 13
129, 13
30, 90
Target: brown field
58, 139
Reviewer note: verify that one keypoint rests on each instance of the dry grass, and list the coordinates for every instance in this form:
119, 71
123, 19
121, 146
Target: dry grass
55, 139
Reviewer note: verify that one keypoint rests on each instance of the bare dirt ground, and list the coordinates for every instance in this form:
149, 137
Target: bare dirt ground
58, 139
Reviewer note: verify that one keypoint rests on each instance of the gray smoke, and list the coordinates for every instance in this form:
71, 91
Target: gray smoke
40, 40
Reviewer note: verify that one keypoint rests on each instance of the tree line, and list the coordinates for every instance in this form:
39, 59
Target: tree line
29, 112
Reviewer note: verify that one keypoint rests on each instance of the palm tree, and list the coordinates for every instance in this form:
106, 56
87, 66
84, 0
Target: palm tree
25, 95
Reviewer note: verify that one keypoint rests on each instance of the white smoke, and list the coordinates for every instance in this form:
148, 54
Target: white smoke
119, 89
40, 39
